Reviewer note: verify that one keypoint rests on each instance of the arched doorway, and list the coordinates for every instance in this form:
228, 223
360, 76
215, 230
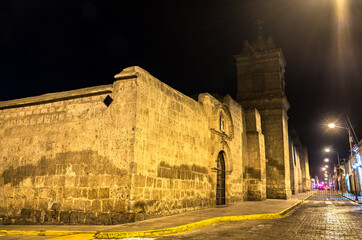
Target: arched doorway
220, 182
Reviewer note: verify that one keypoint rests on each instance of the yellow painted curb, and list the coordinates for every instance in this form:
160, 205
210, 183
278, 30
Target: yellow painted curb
44, 232
75, 237
184, 228
192, 226
287, 210
349, 198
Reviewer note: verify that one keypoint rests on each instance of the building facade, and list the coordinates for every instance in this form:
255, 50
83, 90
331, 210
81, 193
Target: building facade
139, 149
349, 173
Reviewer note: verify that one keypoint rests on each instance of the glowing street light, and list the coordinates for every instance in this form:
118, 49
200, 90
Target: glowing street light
328, 150
348, 126
323, 168
326, 166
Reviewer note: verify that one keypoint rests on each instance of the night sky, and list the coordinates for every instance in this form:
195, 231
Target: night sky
51, 46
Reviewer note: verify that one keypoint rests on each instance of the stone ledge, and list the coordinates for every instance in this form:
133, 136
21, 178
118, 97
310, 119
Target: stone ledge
58, 96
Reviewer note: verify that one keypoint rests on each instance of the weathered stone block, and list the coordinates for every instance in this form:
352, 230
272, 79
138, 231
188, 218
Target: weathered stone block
92, 193
64, 216
103, 218
91, 218
52, 193
84, 192
147, 194
96, 206
83, 181
67, 204
67, 192
120, 206
77, 192
107, 205
59, 181
103, 193
149, 182
75, 217
79, 204
39, 181
140, 181
43, 204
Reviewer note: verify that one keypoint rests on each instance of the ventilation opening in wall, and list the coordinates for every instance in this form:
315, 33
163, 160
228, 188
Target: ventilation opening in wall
108, 100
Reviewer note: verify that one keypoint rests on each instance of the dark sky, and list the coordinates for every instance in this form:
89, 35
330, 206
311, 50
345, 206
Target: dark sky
50, 46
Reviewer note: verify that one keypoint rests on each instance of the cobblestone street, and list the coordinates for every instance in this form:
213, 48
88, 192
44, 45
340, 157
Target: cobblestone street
326, 215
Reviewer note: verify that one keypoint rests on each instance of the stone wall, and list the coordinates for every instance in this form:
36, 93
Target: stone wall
299, 166
118, 153
306, 174
138, 149
62, 160
177, 142
294, 173
238, 147
255, 169
275, 130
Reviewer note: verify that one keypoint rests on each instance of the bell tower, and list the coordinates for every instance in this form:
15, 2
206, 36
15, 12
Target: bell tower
261, 85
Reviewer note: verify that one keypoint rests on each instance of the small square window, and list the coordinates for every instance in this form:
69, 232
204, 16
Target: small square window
108, 100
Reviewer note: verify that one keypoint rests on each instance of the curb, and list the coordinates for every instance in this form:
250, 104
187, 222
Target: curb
195, 225
183, 228
45, 232
80, 236
351, 199
156, 232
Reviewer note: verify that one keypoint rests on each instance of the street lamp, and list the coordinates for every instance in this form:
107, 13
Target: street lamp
348, 126
326, 159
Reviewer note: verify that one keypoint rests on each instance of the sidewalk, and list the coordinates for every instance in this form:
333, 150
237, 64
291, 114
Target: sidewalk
353, 197
271, 208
